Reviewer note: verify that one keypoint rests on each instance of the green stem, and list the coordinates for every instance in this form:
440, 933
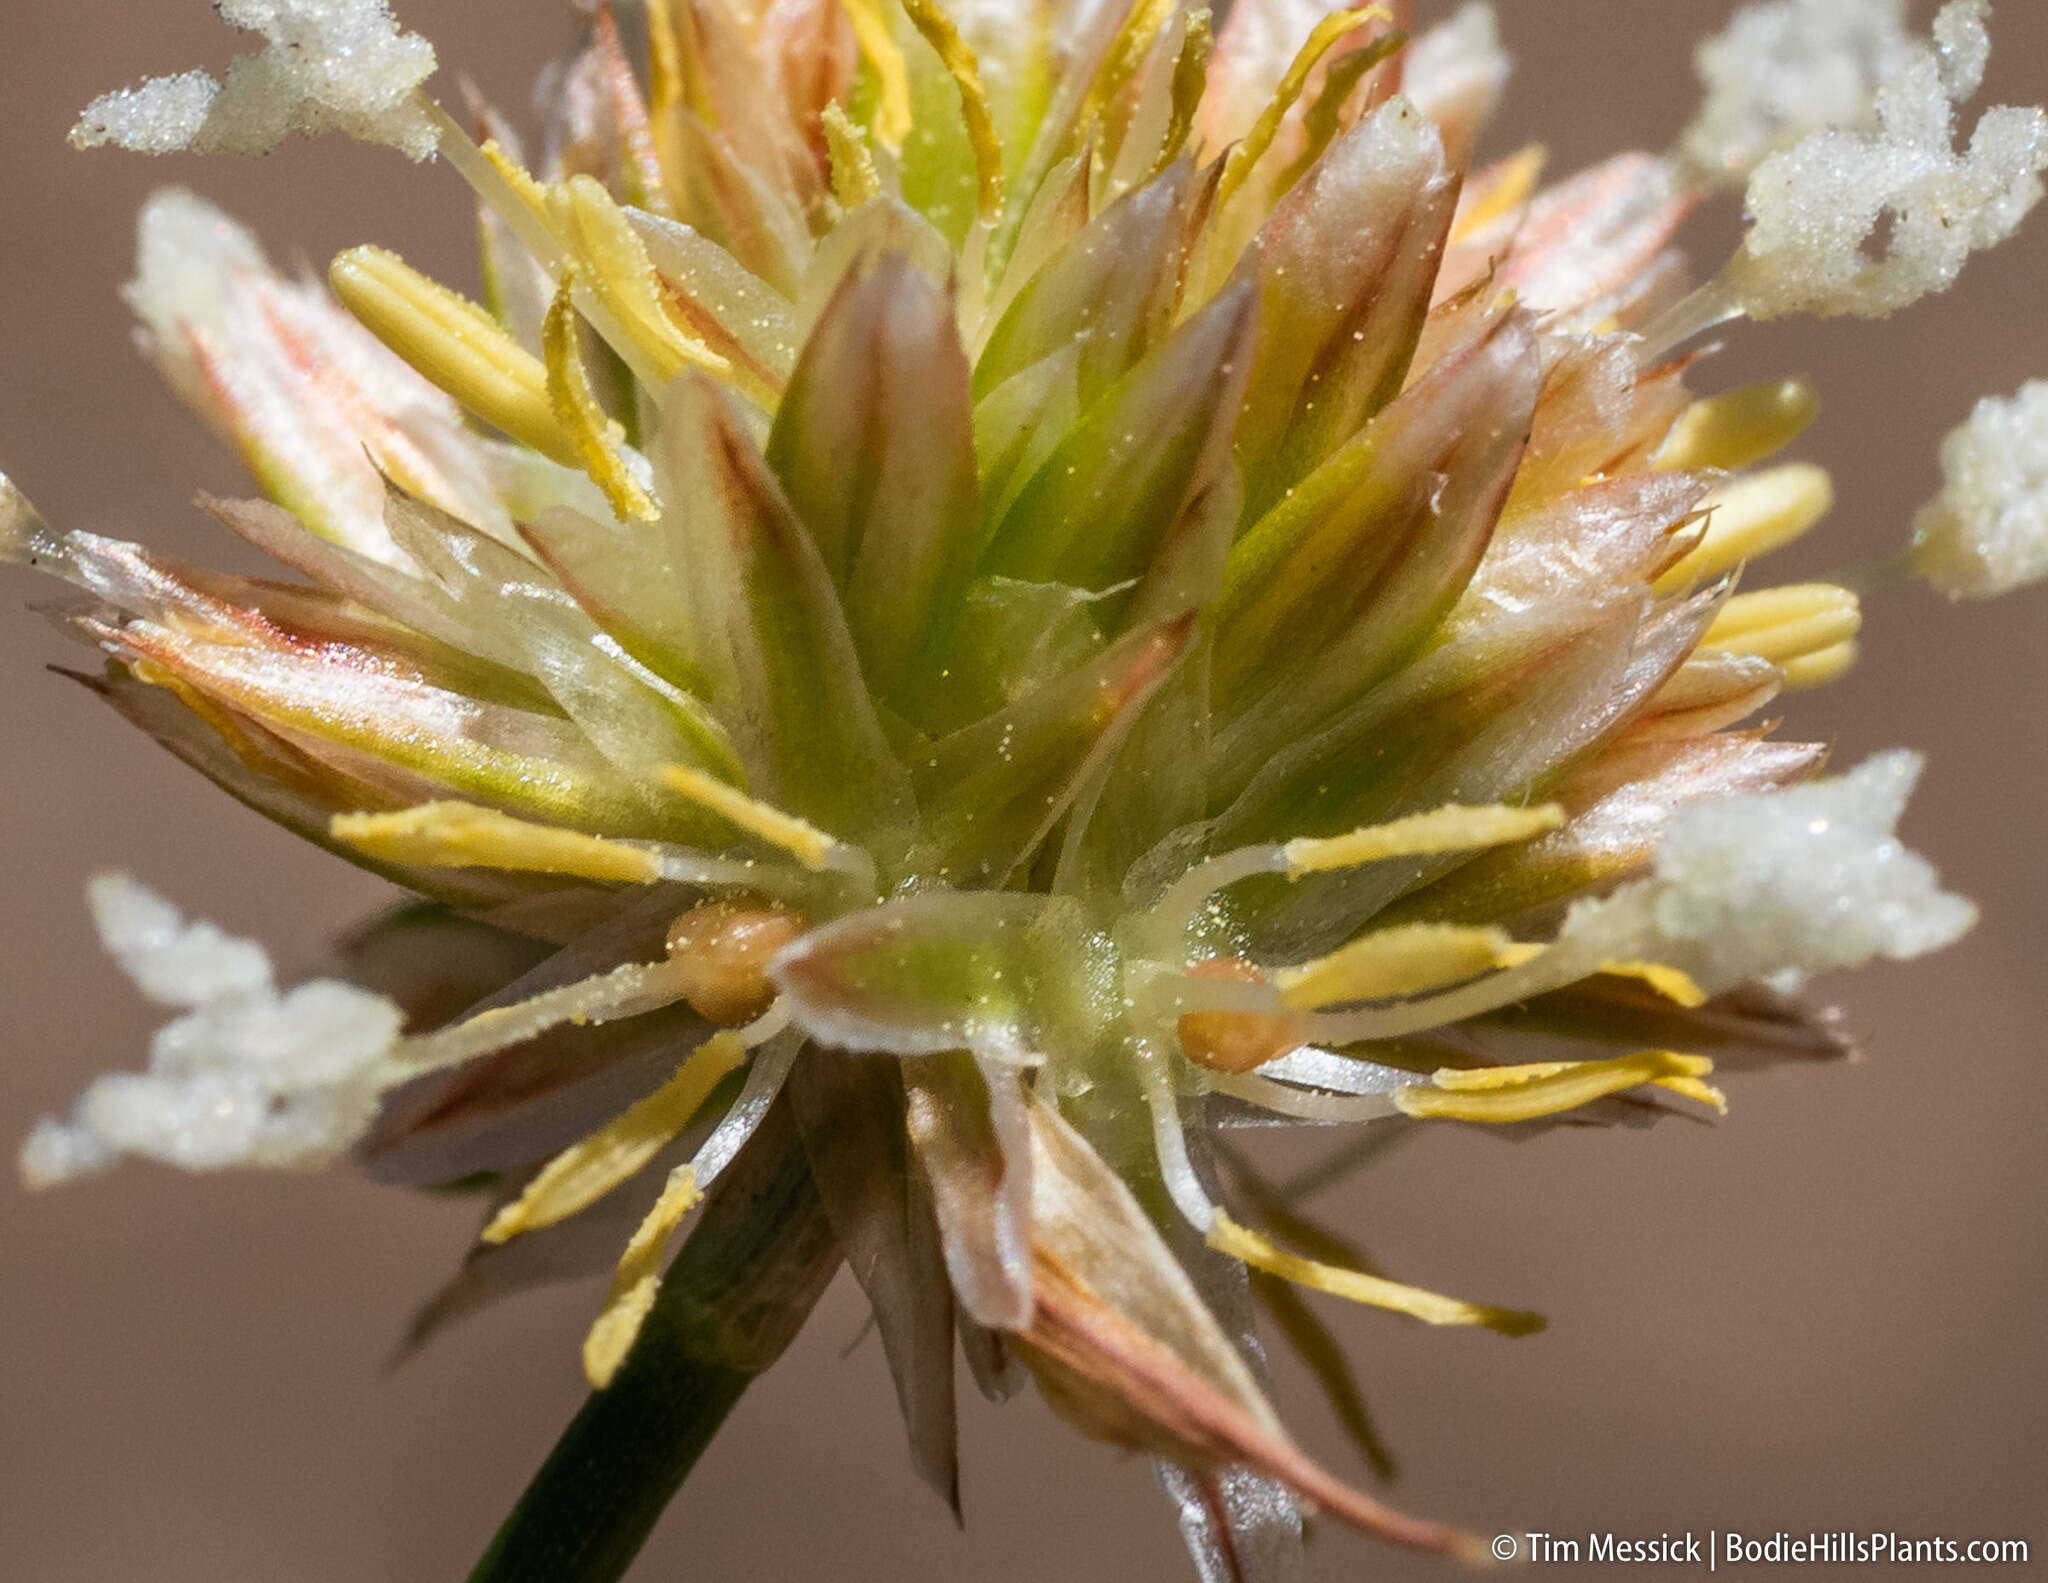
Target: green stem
733, 1300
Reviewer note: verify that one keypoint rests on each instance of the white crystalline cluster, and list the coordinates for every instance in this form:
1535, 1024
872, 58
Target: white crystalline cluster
245, 1077
1781, 885
327, 66
1778, 72
1986, 533
1818, 210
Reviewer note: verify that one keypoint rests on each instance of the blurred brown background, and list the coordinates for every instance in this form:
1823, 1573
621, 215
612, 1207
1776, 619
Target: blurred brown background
1823, 1313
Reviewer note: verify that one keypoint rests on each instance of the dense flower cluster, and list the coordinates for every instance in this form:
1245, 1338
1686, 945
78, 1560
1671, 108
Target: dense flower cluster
988, 596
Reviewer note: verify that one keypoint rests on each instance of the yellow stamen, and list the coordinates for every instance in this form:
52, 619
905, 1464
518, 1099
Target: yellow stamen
1740, 426
1751, 517
1508, 187
616, 269
526, 187
665, 79
1237, 167
1120, 62
462, 835
958, 57
805, 842
1190, 79
1819, 668
854, 179
892, 75
637, 1280
1405, 960
600, 442
1448, 829
592, 1166
1786, 624
1500, 1094
454, 343
1669, 982
1261, 1253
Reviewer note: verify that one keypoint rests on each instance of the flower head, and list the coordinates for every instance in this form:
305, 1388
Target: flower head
978, 601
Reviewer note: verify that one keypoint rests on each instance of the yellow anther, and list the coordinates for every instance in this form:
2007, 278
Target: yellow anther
1508, 186
1408, 959
1818, 669
958, 57
600, 443
1752, 517
1241, 159
1742, 426
666, 82
462, 835
1190, 79
1786, 624
637, 1280
531, 192
1503, 1094
454, 343
854, 179
1261, 1253
1120, 62
613, 265
805, 842
1672, 984
592, 1166
1447, 829
892, 76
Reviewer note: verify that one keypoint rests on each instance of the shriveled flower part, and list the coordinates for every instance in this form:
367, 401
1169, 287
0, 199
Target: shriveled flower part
1815, 208
1782, 886
974, 606
1986, 533
326, 66
247, 1076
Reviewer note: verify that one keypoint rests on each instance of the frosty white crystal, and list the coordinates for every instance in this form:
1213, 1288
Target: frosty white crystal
1782, 885
1986, 533
327, 66
1816, 209
245, 1077
1781, 71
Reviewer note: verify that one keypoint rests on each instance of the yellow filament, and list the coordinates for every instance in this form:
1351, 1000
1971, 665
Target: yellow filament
600, 443
1448, 829
1238, 165
1669, 982
1751, 517
1501, 1094
637, 1280
592, 1166
462, 835
453, 343
1740, 426
1786, 624
615, 266
958, 57
805, 842
1512, 182
885, 60
1405, 960
1261, 1253
854, 179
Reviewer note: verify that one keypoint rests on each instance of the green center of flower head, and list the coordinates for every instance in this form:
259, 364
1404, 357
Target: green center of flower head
1108, 565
